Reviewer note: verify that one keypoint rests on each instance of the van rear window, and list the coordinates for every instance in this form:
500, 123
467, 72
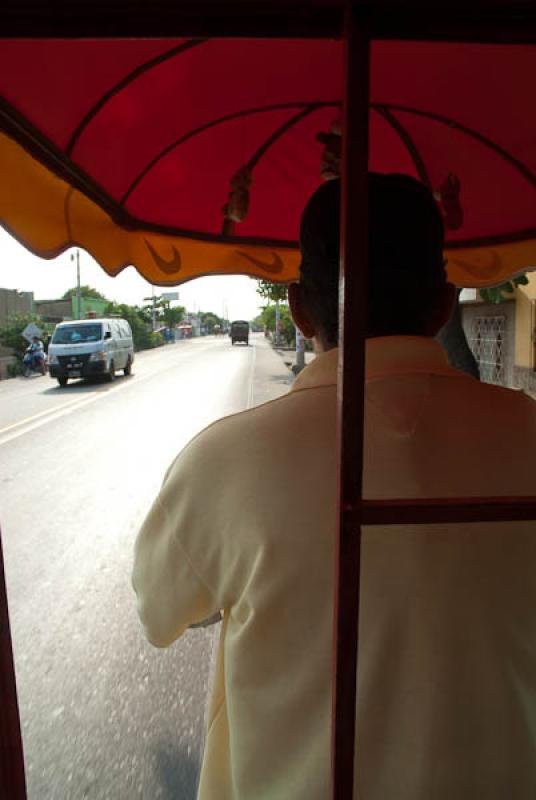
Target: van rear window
77, 334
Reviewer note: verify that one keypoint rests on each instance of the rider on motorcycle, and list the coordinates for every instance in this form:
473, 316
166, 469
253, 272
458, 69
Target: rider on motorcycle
34, 357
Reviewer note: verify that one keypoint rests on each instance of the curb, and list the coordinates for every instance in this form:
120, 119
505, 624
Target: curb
285, 354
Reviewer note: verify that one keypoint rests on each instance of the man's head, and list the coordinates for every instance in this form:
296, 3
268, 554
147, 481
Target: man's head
408, 290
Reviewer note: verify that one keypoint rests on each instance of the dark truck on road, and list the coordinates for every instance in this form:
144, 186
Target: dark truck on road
239, 331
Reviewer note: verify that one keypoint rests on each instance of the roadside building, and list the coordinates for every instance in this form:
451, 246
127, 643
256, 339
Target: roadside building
50, 312
14, 302
502, 336
53, 310
184, 330
62, 310
190, 325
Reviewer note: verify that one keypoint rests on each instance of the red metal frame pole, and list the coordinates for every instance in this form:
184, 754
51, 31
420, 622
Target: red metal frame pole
12, 780
351, 380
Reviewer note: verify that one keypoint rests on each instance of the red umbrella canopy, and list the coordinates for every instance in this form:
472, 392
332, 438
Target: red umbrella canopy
132, 148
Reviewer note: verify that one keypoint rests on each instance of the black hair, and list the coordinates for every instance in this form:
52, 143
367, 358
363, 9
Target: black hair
406, 266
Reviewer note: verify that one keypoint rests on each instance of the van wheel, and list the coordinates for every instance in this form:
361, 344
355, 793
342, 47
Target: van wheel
62, 381
111, 374
128, 366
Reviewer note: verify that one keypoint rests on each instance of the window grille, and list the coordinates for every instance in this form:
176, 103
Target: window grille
487, 344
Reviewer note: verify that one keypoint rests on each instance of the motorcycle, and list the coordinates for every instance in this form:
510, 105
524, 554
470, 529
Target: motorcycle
34, 362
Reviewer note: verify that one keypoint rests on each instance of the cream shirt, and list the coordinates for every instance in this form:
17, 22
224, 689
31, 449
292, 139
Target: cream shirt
246, 521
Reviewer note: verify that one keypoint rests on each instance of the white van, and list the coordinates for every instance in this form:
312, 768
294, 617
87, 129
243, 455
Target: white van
90, 347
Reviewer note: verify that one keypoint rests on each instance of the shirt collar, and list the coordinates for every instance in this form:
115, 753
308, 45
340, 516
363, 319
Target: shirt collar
386, 357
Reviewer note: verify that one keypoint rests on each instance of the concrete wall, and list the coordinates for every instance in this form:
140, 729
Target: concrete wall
54, 310
14, 302
524, 351
59, 310
5, 361
525, 366
519, 344
526, 324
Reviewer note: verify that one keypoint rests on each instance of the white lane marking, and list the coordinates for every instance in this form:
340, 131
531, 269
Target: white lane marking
52, 414
252, 377
27, 420
73, 405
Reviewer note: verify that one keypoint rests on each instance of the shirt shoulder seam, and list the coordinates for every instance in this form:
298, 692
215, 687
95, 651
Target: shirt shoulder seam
223, 420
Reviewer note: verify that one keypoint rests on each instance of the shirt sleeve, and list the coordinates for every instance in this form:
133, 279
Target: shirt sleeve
170, 593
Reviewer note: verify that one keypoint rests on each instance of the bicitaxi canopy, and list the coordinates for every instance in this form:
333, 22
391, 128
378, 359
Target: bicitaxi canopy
192, 156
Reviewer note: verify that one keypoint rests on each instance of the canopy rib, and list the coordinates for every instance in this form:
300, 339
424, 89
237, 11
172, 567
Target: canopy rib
405, 137
123, 83
213, 123
278, 133
522, 168
18, 128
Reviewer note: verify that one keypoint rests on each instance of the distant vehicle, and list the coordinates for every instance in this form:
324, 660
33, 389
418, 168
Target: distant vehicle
88, 348
239, 331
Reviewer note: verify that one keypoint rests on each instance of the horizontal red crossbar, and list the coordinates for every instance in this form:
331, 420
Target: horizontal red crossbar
437, 510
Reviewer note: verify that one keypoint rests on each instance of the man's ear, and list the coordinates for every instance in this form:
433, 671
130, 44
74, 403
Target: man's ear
299, 311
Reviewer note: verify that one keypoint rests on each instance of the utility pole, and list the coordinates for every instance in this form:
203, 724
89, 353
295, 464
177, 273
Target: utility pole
153, 299
300, 351
277, 323
78, 298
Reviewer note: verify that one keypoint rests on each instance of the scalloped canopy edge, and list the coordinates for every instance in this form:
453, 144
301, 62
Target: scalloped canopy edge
47, 215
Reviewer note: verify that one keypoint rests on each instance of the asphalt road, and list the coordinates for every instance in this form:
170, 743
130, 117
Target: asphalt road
104, 715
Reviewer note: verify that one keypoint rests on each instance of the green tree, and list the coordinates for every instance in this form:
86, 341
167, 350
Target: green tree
287, 330
258, 323
496, 294
209, 320
85, 291
165, 313
275, 293
141, 327
171, 315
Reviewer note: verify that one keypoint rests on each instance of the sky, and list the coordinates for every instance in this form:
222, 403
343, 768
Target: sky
232, 297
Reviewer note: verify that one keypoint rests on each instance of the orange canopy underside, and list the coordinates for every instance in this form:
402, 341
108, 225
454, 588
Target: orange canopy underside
128, 148
48, 216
